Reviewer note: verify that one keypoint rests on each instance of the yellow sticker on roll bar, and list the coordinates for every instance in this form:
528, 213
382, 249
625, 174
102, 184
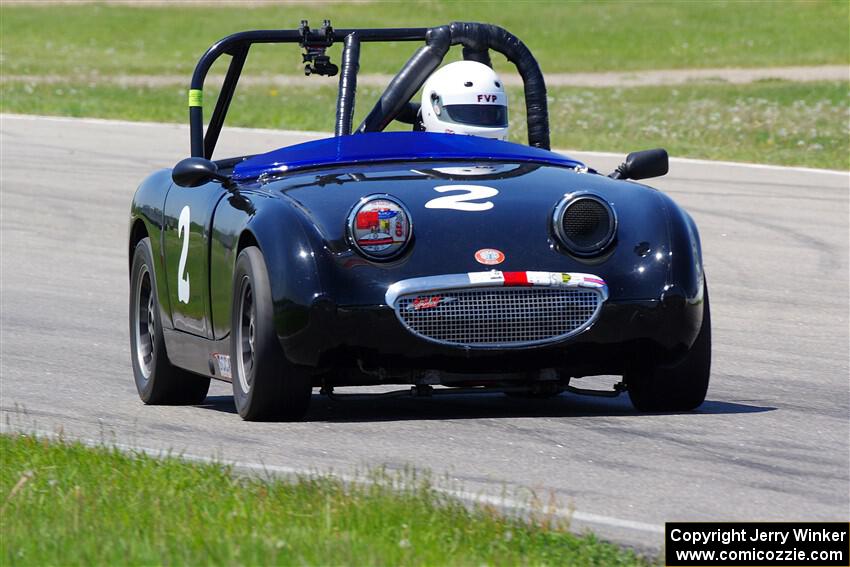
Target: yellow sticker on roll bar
196, 97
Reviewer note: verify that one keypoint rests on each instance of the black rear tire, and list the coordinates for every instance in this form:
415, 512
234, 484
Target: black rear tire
266, 386
678, 387
157, 380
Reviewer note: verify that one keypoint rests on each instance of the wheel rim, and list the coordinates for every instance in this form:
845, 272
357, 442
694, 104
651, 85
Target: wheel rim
246, 333
145, 328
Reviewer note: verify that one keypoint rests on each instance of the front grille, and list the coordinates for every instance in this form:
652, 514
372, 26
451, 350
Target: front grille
504, 316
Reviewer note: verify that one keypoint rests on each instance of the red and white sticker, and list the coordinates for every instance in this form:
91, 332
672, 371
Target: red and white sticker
551, 279
489, 256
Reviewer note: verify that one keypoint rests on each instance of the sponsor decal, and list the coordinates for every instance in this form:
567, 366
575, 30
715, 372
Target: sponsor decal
223, 363
375, 239
428, 302
554, 279
367, 220
516, 279
492, 277
488, 98
542, 278
489, 256
557, 279
380, 226
196, 97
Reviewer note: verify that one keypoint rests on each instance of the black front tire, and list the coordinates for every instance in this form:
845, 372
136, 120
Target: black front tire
266, 386
678, 387
157, 380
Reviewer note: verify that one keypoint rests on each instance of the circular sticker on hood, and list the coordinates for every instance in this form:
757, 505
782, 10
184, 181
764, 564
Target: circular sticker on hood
489, 256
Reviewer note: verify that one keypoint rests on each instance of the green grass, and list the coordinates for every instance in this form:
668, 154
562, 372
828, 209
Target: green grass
71, 41
82, 47
66, 504
806, 124
775, 122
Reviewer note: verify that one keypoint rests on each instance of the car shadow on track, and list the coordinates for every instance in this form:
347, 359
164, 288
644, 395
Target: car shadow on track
478, 406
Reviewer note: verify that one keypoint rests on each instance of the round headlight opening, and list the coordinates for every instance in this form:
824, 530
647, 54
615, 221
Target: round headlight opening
379, 227
585, 224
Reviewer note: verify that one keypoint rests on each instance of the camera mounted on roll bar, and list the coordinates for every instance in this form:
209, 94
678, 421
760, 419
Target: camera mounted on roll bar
315, 43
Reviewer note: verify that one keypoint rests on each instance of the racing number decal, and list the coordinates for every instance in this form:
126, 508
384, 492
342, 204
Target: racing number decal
183, 231
463, 201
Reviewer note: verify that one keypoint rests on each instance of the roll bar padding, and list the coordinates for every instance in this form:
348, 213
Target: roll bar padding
347, 84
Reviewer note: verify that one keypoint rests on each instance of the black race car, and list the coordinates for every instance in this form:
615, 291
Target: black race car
409, 257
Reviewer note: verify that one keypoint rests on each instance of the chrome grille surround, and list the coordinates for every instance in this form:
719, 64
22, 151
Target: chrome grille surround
480, 315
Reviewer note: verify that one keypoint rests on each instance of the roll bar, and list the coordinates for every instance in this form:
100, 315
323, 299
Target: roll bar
475, 38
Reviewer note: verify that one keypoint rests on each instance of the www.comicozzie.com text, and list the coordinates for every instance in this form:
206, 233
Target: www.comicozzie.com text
727, 536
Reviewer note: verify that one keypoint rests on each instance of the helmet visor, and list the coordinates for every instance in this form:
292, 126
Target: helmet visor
478, 114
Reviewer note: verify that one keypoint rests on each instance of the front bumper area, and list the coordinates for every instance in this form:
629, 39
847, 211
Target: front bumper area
375, 340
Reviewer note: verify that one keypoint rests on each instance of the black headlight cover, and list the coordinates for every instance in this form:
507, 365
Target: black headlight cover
585, 223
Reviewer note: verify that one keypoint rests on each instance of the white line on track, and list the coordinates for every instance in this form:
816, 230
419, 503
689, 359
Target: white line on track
5, 116
503, 502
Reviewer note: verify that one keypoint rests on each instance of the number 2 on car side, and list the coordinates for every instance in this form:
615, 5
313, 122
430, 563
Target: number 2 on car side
183, 232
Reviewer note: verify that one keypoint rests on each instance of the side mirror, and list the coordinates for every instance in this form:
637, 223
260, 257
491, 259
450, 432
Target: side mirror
643, 165
195, 171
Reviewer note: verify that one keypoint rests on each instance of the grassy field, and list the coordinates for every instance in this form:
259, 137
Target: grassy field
594, 36
66, 60
770, 122
70, 505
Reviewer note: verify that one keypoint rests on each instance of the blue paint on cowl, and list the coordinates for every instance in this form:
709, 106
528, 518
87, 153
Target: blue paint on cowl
376, 147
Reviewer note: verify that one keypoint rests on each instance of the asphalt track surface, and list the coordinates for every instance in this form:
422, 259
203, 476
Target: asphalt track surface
772, 442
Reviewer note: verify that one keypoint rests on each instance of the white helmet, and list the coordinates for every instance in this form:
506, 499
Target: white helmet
465, 97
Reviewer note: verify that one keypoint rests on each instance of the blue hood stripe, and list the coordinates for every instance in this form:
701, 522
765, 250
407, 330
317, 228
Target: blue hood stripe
376, 147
